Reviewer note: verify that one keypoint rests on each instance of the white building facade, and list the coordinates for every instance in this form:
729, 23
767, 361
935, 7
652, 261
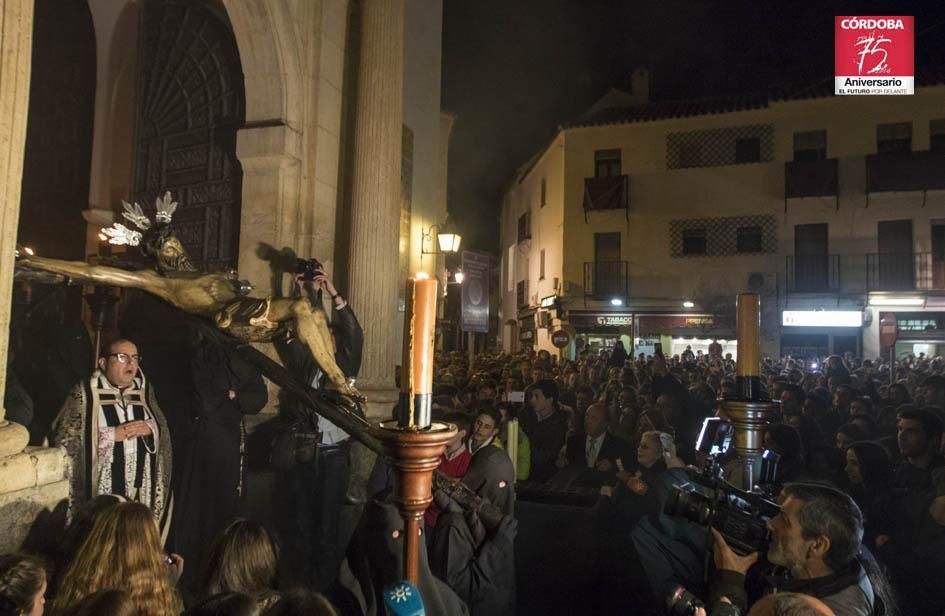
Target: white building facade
642, 222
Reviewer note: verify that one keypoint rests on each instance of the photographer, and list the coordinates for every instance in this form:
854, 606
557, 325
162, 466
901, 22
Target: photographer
315, 484
815, 543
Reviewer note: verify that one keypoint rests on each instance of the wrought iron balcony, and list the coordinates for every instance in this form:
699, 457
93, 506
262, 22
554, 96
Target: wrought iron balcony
605, 279
812, 274
909, 271
810, 178
902, 172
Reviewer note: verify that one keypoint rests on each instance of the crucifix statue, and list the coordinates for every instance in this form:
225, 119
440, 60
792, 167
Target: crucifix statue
220, 297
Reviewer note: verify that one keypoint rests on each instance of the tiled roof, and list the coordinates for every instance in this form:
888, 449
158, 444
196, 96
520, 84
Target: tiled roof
730, 103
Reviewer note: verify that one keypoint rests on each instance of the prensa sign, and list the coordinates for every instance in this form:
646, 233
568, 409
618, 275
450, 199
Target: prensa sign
874, 55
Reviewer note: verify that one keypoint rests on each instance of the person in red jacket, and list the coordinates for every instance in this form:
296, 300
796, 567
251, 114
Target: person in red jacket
454, 461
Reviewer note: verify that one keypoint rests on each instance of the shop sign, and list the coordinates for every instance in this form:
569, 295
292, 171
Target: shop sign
600, 319
526, 335
666, 324
822, 318
560, 338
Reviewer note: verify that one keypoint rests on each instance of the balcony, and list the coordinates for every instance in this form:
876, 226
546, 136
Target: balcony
605, 280
810, 178
812, 273
902, 172
916, 271
607, 193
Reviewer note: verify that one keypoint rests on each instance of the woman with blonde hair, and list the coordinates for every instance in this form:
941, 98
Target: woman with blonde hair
123, 551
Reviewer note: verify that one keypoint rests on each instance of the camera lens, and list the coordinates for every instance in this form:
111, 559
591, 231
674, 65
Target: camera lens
690, 505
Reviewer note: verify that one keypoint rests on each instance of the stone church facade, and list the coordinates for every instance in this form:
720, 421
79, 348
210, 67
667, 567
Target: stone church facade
312, 125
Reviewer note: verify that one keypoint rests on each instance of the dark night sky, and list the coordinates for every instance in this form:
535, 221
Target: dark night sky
513, 70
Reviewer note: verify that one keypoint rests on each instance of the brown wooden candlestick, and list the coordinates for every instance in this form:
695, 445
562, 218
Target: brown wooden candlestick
413, 454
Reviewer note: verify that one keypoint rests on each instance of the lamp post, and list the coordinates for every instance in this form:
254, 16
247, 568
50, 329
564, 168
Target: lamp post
447, 240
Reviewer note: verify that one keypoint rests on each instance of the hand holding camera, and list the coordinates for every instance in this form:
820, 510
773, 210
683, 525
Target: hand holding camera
725, 557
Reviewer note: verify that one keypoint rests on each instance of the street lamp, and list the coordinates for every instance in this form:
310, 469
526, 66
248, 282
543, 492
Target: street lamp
447, 240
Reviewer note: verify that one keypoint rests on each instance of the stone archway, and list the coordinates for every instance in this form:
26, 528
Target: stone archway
270, 144
190, 105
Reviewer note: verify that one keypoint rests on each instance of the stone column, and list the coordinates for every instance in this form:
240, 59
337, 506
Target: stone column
374, 278
270, 159
16, 41
32, 479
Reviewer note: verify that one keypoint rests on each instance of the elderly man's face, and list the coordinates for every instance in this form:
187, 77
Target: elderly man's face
121, 364
595, 420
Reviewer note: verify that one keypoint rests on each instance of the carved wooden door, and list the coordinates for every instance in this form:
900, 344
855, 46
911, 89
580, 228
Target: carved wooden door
190, 104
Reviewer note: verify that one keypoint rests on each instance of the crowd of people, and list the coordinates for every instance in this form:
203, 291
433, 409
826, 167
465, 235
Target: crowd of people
860, 486
859, 444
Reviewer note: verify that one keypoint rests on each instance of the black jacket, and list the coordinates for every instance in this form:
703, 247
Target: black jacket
491, 476
375, 561
545, 438
612, 449
298, 360
847, 592
481, 573
349, 344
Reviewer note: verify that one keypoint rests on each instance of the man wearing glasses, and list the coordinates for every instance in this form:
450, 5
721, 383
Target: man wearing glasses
116, 435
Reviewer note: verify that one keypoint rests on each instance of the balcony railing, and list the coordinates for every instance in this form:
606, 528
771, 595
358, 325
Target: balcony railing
810, 178
605, 279
607, 193
901, 172
812, 274
909, 271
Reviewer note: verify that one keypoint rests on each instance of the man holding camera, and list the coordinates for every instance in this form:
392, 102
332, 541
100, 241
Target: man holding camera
316, 487
815, 543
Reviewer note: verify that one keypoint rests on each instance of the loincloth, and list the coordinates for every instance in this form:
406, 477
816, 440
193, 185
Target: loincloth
247, 318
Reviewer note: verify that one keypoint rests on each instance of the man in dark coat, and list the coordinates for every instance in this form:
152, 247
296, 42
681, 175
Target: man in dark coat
374, 561
212, 488
477, 563
597, 451
315, 491
546, 425
490, 474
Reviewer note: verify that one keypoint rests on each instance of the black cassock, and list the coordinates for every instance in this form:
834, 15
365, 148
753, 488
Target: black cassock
481, 570
212, 482
374, 562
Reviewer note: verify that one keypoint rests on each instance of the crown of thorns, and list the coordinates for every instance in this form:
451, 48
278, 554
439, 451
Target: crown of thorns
119, 234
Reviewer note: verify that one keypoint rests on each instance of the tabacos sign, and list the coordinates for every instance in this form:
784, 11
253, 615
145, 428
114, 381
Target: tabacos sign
874, 55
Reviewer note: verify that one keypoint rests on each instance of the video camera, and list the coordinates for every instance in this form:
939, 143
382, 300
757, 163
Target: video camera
708, 500
308, 268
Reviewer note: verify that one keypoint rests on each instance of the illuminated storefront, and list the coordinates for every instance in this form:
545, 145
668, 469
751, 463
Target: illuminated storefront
600, 331
919, 332
676, 332
817, 333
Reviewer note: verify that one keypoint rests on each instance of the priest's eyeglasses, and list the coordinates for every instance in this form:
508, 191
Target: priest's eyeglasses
125, 358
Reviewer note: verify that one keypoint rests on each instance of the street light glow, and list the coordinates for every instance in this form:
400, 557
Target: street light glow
896, 301
459, 276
